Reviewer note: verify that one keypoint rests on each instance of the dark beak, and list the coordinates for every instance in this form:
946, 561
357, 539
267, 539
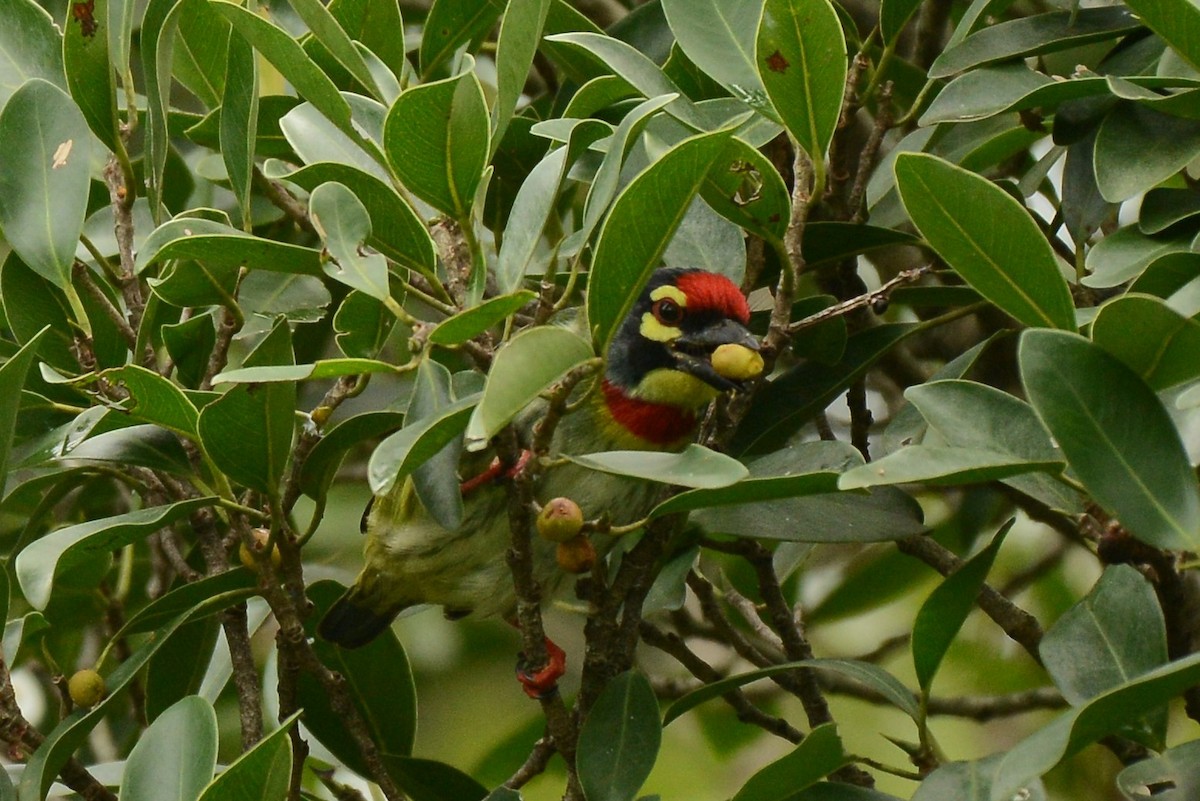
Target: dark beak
693, 351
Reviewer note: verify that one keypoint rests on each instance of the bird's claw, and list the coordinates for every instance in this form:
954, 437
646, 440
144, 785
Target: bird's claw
542, 683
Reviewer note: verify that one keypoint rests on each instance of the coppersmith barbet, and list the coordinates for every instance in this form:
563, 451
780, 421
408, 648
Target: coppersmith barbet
658, 378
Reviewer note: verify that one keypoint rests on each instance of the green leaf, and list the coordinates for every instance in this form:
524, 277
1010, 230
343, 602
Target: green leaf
987, 237
1029, 36
156, 400
969, 781
403, 452
326, 29
1113, 635
248, 431
363, 326
818, 755
43, 560
200, 59
800, 53
326, 368
806, 469
1177, 24
619, 740
175, 757
639, 227
1116, 435
530, 362
343, 224
638, 70
1150, 338
1137, 148
436, 482
44, 179
141, 446
694, 466
945, 610
718, 37
430, 780
30, 45
179, 668
437, 141
261, 774
12, 376
396, 230
940, 466
746, 189
788, 402
326, 457
89, 73
893, 16
516, 45
1083, 725
222, 245
239, 121
451, 24
1162, 208
1174, 775
1126, 253
234, 585
474, 321
867, 674
378, 679
72, 731
316, 139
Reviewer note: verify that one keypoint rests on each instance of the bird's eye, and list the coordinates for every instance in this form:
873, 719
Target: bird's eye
667, 312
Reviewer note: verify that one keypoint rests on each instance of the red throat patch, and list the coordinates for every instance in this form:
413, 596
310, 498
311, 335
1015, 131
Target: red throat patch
712, 292
657, 423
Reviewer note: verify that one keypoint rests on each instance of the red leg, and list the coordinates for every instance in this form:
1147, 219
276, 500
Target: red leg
544, 682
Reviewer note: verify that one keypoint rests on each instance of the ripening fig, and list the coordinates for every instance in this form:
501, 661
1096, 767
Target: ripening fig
560, 520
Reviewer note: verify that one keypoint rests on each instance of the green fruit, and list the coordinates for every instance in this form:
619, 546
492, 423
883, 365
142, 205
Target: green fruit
560, 520
576, 555
86, 688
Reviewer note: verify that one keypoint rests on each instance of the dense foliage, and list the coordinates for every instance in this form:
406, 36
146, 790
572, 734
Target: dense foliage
257, 256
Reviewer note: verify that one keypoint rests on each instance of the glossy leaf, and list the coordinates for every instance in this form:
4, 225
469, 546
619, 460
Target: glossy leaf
1116, 435
179, 668
744, 188
263, 772
619, 740
516, 45
987, 237
235, 586
969, 781
1028, 36
72, 731
437, 139
819, 754
451, 24
323, 461
31, 45
220, 244
1150, 338
156, 400
239, 121
430, 780
1179, 25
327, 30
694, 466
248, 431
44, 179
639, 227
436, 482
175, 757
1127, 253
317, 140
800, 53
396, 230
378, 679
807, 469
1083, 725
1137, 148
474, 321
410, 447
939, 465
89, 73
530, 362
870, 675
893, 16
38, 565
12, 375
884, 514
142, 446
344, 225
945, 610
718, 37
326, 368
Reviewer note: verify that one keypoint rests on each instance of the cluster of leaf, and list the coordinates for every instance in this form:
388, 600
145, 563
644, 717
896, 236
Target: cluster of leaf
213, 211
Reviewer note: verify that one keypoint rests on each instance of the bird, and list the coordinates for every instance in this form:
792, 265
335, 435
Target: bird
658, 378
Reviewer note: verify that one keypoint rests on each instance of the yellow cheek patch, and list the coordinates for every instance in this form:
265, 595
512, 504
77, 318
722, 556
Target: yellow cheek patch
673, 388
653, 329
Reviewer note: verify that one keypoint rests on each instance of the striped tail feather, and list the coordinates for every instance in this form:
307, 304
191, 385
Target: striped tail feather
351, 623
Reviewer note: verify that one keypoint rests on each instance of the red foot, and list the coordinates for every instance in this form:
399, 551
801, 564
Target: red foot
495, 471
544, 682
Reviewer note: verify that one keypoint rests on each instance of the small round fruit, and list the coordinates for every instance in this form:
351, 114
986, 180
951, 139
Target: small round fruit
576, 555
261, 537
737, 362
560, 520
86, 688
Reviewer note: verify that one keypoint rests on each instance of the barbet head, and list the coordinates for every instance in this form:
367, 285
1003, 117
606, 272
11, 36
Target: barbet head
660, 367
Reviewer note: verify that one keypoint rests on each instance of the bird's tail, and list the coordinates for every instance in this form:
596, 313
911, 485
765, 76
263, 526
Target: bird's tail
352, 622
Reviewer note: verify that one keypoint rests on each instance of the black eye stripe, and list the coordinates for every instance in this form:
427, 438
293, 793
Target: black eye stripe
667, 312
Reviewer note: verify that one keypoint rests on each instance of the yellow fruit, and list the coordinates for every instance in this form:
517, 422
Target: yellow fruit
737, 362
261, 537
576, 555
560, 520
86, 688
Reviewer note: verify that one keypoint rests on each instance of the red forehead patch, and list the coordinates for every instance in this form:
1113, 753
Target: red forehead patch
712, 292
